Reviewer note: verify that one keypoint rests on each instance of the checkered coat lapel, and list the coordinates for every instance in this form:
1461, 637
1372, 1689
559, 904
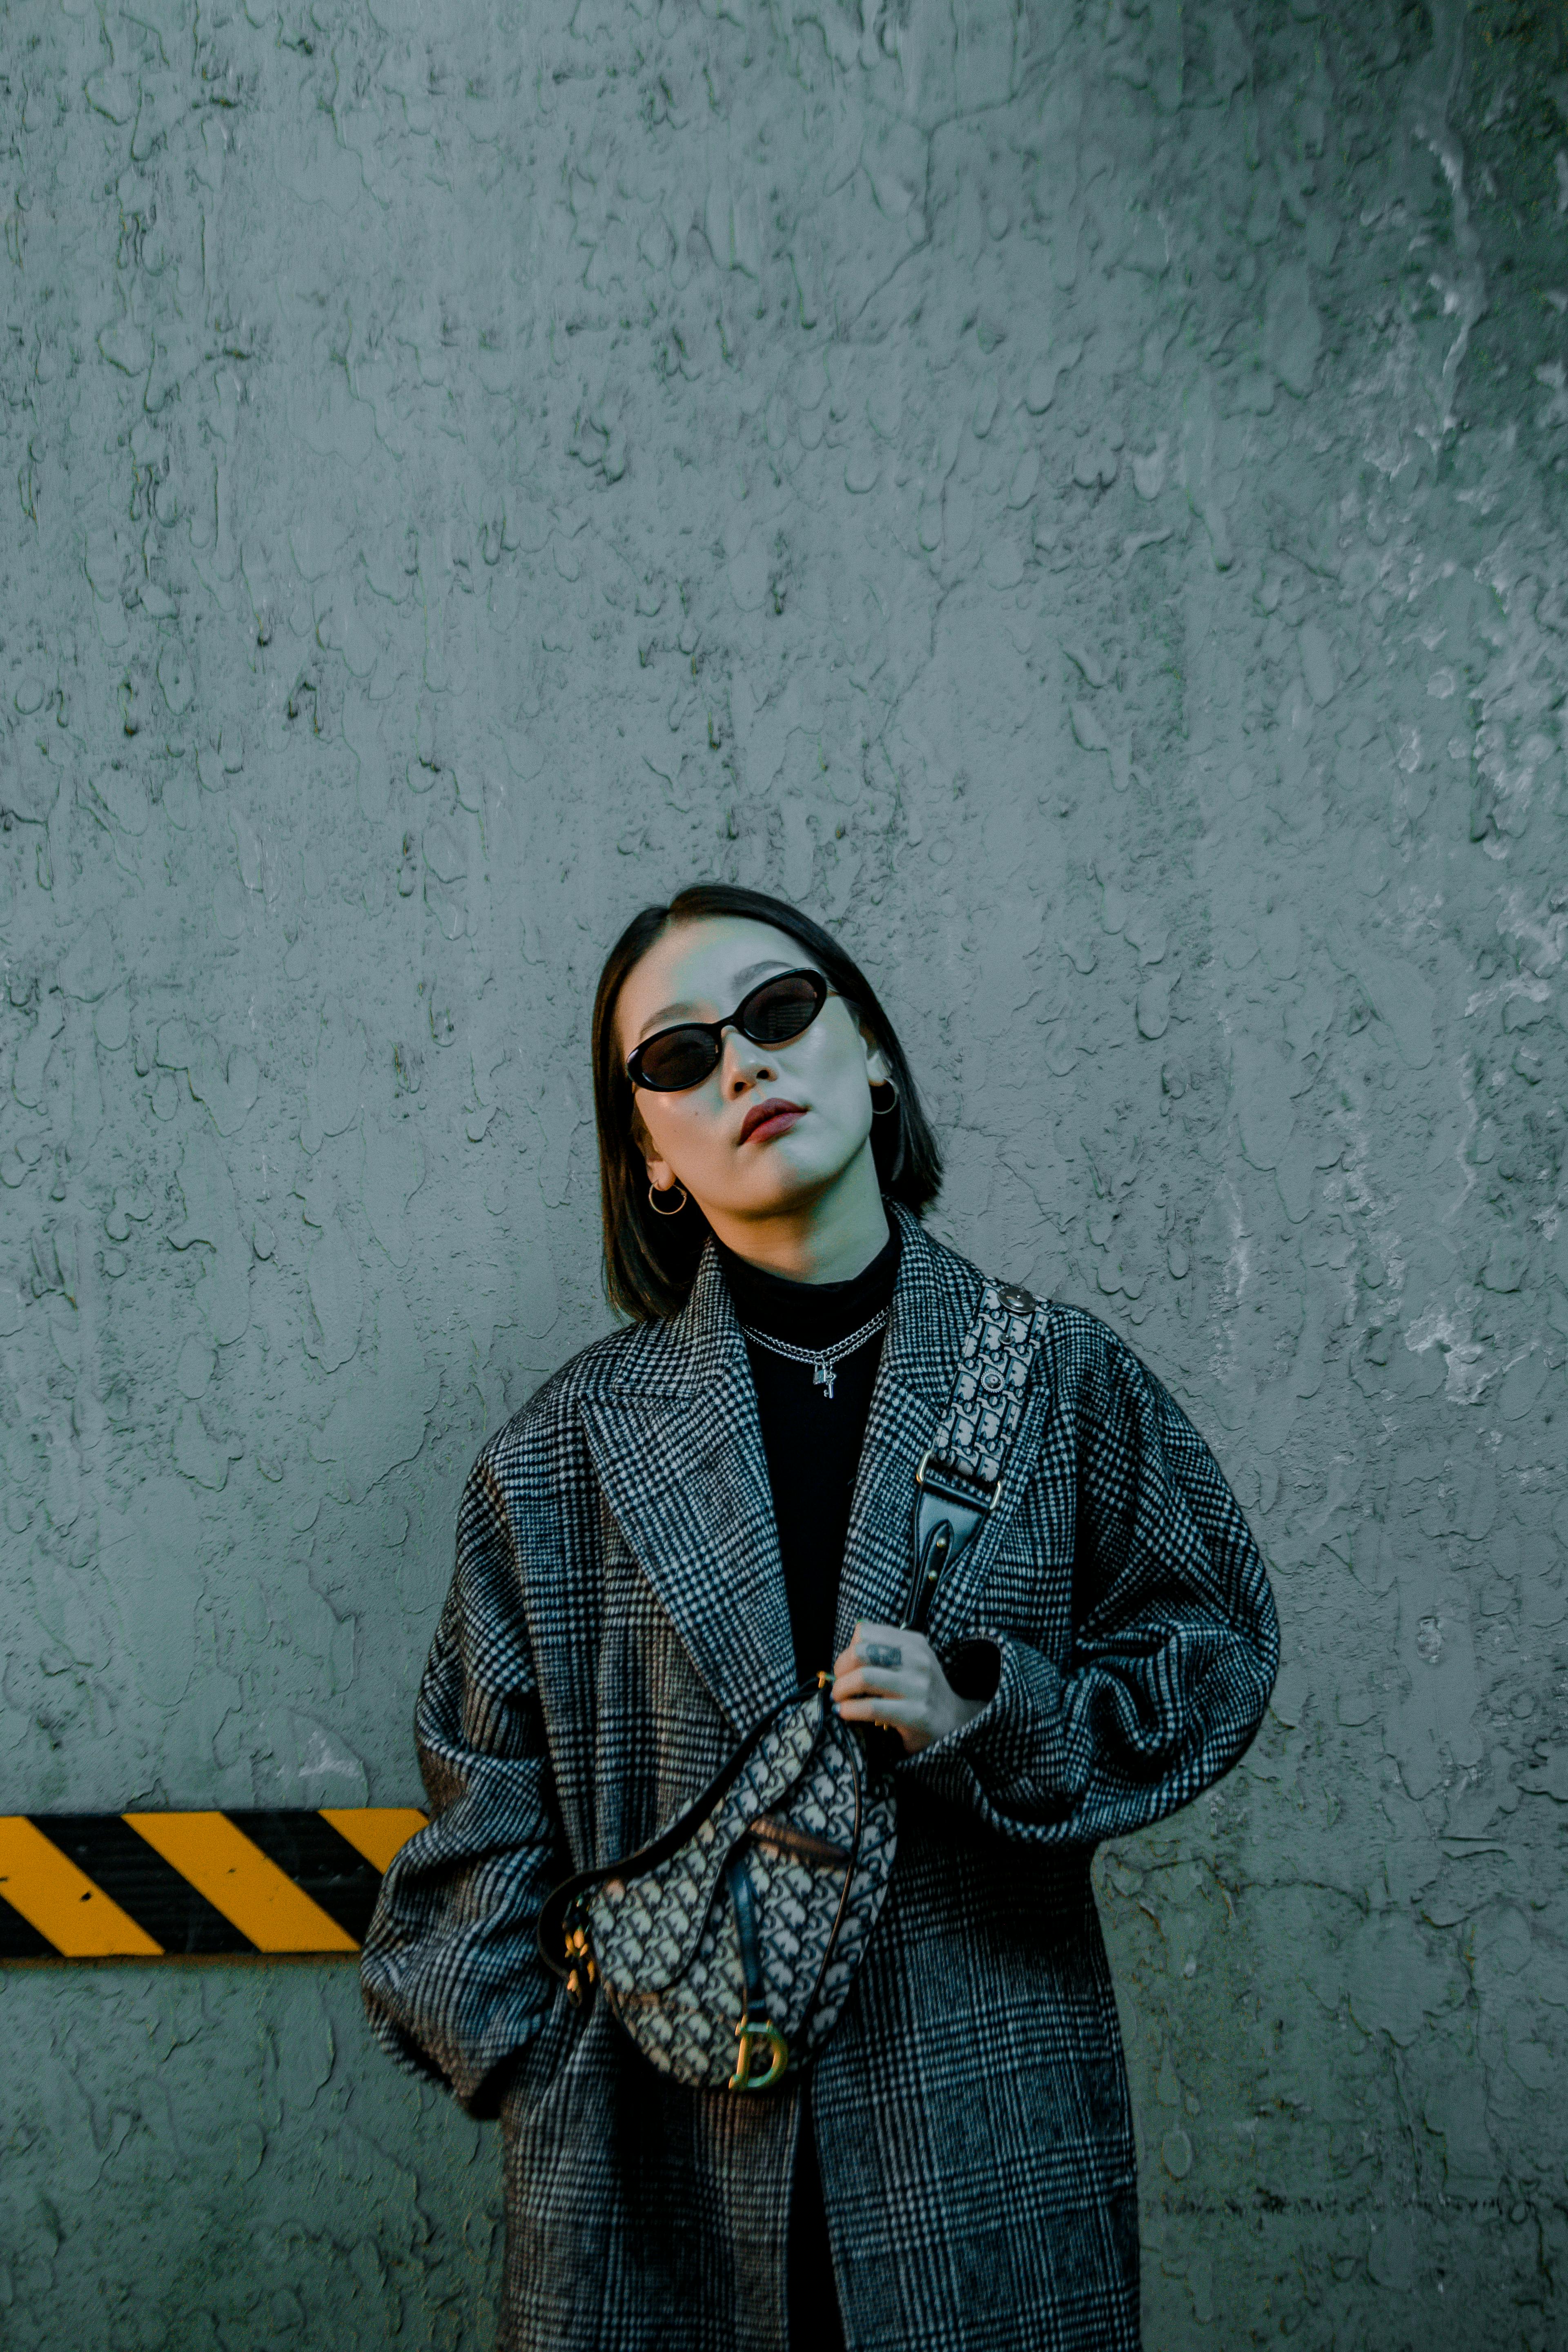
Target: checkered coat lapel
676, 1446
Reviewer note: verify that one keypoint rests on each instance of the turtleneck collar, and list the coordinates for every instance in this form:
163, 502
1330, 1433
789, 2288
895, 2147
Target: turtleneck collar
810, 1314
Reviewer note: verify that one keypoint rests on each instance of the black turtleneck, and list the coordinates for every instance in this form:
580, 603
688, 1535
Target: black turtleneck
812, 1441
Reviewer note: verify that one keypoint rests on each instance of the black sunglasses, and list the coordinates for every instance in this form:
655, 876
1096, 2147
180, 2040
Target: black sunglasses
770, 1014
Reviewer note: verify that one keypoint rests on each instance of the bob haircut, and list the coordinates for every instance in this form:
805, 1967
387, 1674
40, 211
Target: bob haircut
650, 1260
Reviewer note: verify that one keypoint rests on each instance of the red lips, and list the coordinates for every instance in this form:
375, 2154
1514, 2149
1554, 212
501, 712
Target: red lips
764, 1114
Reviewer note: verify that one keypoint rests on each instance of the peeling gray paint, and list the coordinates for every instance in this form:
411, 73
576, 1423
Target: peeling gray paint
1076, 494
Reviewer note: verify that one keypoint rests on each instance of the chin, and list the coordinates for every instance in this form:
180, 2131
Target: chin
784, 1184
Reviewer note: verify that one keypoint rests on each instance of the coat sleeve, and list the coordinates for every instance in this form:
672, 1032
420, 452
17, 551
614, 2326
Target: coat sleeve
452, 1978
1175, 1642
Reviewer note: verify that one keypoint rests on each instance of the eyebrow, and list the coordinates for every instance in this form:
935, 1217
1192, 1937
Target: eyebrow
669, 1013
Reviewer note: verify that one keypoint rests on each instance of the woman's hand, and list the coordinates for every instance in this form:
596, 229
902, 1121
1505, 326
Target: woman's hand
890, 1675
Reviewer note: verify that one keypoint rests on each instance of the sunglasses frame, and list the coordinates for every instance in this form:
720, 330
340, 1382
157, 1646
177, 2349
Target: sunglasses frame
714, 1031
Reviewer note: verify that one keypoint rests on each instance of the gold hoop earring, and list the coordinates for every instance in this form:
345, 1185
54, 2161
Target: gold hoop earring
887, 1107
653, 1201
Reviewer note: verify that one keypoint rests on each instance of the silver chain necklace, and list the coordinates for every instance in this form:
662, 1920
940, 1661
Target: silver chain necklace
823, 1361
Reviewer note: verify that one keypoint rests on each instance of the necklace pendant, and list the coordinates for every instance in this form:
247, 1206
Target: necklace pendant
822, 1377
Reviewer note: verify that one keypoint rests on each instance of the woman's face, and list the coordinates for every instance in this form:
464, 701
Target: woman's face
813, 1093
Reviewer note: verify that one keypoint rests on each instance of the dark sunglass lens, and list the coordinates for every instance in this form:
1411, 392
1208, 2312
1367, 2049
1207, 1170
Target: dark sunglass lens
682, 1057
781, 1009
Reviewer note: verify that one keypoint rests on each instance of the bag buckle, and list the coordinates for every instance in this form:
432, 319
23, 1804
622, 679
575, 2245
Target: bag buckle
753, 2031
948, 1484
951, 1505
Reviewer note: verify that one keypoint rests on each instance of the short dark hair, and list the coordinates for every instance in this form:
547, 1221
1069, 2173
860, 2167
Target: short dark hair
650, 1260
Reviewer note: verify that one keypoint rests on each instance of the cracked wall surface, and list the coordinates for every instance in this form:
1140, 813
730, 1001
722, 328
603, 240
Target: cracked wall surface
1074, 494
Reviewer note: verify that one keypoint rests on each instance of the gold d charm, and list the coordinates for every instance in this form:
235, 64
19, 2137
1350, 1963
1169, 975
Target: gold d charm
743, 2079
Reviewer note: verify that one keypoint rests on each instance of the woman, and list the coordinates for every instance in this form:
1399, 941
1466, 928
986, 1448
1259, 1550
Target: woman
699, 1511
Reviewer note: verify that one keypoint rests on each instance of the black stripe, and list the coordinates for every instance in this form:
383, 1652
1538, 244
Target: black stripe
19, 1940
321, 1862
151, 1889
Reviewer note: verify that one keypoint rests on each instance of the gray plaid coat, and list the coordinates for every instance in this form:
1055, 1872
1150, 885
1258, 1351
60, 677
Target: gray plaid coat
617, 1619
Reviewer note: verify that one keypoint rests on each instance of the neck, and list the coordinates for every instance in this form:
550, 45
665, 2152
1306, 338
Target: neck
831, 1237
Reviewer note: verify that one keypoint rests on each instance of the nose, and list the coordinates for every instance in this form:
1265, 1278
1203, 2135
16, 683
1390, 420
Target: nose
744, 1065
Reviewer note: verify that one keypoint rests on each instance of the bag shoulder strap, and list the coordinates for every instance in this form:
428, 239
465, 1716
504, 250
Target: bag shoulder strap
960, 1476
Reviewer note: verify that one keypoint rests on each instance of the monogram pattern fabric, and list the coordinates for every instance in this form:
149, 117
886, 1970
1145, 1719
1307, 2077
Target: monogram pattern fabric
667, 1942
987, 1404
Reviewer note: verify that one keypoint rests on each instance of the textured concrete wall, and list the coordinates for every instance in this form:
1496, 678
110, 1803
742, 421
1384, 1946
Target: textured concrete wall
1076, 494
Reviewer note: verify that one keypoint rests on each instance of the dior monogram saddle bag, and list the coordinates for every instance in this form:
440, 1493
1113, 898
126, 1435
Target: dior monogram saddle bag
727, 1945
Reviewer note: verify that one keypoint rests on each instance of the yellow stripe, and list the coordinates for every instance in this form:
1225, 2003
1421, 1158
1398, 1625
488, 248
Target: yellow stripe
378, 1832
54, 1896
237, 1879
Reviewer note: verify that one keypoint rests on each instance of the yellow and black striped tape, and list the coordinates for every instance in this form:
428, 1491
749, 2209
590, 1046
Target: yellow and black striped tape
81, 1886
